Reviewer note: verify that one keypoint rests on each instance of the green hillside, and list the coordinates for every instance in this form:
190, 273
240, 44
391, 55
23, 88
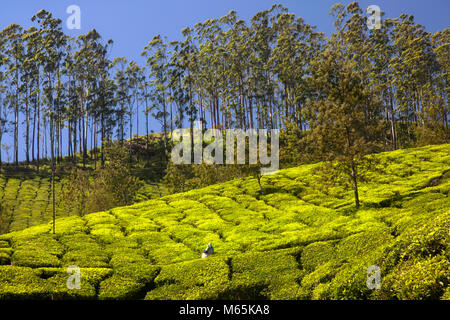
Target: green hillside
28, 199
294, 241
27, 196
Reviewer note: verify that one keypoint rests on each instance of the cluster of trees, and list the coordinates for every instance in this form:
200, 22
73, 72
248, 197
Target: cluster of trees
377, 90
360, 91
276, 70
62, 85
111, 186
225, 72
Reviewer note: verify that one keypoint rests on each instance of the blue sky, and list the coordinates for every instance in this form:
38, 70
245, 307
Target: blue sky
133, 23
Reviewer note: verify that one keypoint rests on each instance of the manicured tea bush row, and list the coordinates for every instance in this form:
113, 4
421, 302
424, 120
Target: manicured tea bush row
29, 199
294, 241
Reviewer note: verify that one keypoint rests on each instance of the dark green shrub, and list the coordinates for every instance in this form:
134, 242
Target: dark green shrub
4, 244
315, 285
350, 282
121, 288
22, 283
418, 279
5, 258
317, 254
362, 244
446, 295
197, 279
276, 271
34, 258
431, 239
83, 251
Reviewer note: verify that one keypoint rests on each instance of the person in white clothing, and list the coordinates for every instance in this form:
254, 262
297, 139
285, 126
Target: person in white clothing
208, 251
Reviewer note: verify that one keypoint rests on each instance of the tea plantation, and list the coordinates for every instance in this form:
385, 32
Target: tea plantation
28, 197
297, 240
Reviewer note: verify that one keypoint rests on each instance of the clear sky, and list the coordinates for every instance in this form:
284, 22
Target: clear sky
133, 23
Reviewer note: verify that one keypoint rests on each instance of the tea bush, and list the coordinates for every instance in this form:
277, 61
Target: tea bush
296, 240
317, 254
418, 279
22, 283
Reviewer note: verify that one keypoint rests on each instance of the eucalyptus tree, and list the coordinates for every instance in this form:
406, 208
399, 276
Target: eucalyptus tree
53, 42
157, 56
296, 44
182, 68
32, 67
134, 74
146, 94
72, 110
102, 97
87, 58
345, 118
414, 65
230, 71
382, 51
176, 73
263, 34
35, 59
188, 62
238, 65
122, 93
209, 60
441, 42
14, 51
3, 87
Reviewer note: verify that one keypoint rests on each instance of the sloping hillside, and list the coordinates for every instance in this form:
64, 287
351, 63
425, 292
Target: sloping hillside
295, 241
28, 197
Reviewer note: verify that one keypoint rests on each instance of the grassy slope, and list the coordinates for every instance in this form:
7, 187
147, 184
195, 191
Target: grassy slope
293, 242
28, 198
27, 195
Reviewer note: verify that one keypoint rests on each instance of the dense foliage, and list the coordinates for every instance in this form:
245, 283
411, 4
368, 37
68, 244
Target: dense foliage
307, 232
269, 72
111, 186
293, 241
25, 196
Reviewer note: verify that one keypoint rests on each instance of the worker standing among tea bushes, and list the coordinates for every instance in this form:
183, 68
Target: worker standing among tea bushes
208, 251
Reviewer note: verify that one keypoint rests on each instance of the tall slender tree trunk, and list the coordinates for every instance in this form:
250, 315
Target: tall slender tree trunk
353, 174
250, 109
33, 139
57, 146
166, 151
1, 132
102, 139
80, 136
122, 116
130, 105
52, 138
27, 129
44, 139
16, 132
393, 129
211, 114
146, 127
94, 143
60, 146
16, 118
75, 140
38, 133
85, 129
69, 139
137, 113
